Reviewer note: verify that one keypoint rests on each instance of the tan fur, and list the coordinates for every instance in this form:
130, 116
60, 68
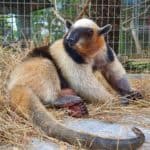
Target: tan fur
80, 76
37, 69
33, 82
19, 96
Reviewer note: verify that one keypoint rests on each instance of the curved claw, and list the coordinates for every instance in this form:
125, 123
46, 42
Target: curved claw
133, 95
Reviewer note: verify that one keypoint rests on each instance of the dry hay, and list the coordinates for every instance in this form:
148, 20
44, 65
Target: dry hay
12, 127
15, 130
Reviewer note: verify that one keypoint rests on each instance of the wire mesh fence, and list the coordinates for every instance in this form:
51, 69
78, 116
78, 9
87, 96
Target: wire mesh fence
35, 20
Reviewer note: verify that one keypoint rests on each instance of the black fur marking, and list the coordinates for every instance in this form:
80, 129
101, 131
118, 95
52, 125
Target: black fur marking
77, 33
74, 36
40, 52
43, 52
81, 32
110, 54
63, 81
73, 53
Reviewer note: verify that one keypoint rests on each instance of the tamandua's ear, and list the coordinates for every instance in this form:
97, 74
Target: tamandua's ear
104, 30
68, 24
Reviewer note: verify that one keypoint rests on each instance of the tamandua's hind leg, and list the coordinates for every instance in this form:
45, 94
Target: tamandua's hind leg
116, 76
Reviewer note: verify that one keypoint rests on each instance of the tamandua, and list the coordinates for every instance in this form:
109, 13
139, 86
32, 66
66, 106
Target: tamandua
36, 82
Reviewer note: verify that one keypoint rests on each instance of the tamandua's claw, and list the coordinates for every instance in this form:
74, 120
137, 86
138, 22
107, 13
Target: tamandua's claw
137, 95
133, 95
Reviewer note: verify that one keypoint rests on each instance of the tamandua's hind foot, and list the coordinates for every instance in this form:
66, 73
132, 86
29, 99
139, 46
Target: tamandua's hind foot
74, 104
133, 95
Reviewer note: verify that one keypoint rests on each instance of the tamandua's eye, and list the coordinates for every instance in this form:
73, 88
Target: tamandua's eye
90, 31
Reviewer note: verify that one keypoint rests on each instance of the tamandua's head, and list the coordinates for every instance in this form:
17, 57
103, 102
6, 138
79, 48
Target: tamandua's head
86, 37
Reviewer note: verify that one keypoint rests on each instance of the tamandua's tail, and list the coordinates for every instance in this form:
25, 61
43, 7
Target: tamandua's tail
24, 99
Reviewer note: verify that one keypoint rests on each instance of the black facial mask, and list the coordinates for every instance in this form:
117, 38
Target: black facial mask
78, 33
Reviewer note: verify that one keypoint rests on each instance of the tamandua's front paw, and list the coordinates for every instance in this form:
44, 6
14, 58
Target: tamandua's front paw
133, 95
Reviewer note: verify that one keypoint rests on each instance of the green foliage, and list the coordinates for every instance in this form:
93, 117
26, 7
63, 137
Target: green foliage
68, 8
7, 28
45, 19
42, 23
138, 66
